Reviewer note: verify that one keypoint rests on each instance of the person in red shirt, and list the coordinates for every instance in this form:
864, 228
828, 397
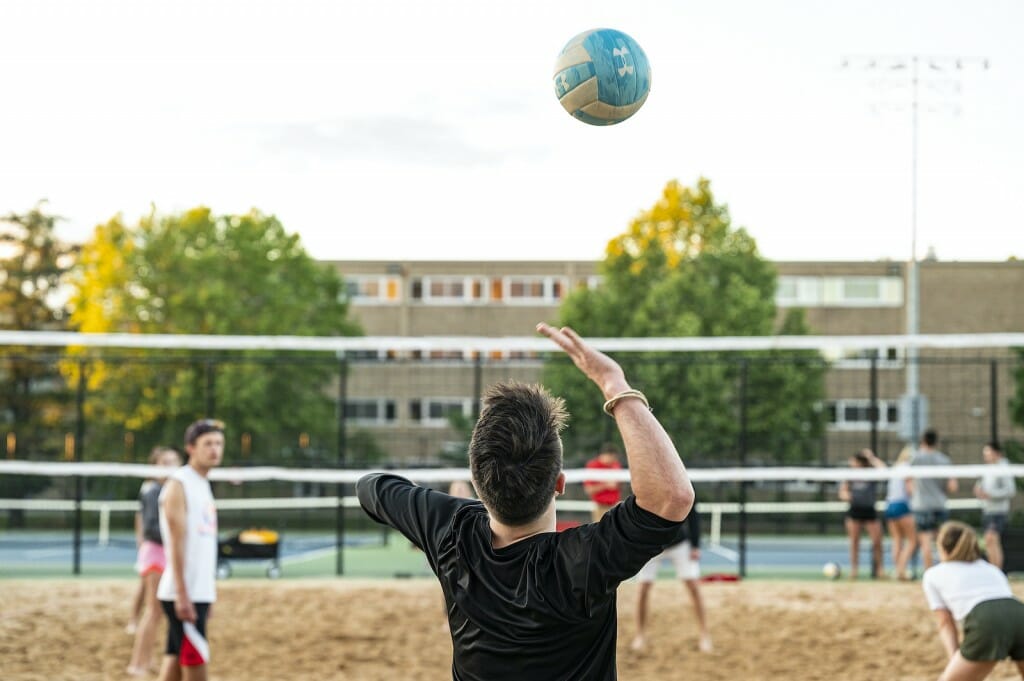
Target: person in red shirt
607, 493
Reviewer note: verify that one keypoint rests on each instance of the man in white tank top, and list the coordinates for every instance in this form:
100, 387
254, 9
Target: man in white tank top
188, 524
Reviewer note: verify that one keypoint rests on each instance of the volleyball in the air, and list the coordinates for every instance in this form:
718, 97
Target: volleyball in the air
831, 570
602, 77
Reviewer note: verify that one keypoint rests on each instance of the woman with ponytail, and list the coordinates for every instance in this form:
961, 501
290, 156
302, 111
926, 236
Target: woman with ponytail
964, 587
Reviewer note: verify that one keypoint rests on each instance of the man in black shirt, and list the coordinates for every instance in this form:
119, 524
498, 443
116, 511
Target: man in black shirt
525, 602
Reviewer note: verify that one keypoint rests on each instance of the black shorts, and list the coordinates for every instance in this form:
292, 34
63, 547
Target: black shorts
930, 521
995, 522
179, 646
862, 513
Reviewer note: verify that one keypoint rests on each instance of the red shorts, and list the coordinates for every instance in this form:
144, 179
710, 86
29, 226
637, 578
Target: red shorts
151, 558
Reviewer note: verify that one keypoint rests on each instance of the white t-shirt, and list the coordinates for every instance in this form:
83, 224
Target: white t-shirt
200, 540
958, 586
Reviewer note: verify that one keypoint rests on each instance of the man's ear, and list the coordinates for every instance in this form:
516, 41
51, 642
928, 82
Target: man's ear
560, 484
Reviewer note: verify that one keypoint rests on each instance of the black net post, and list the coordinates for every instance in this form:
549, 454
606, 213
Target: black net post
744, 366
478, 384
77, 454
339, 514
873, 411
993, 404
210, 405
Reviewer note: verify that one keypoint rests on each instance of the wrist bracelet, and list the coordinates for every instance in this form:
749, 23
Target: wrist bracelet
614, 399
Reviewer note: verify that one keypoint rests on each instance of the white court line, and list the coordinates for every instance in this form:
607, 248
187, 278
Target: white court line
307, 556
728, 554
48, 553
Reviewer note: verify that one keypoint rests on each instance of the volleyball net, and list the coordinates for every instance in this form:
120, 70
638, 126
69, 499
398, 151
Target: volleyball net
765, 426
746, 530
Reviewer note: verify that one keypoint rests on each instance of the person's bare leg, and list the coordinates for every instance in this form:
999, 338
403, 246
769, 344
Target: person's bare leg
994, 548
853, 532
197, 673
698, 609
170, 670
642, 596
909, 544
138, 601
875, 534
960, 669
896, 538
142, 651
925, 540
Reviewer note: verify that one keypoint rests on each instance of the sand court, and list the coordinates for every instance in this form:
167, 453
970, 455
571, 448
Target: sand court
362, 630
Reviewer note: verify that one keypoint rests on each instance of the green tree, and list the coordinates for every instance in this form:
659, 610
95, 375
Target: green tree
200, 273
681, 269
33, 264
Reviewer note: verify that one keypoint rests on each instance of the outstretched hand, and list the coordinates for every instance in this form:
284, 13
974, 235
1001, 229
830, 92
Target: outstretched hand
595, 365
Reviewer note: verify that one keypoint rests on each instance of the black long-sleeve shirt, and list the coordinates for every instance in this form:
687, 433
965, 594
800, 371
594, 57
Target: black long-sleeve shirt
541, 608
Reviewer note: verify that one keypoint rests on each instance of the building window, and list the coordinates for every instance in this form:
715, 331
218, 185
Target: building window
373, 289
851, 291
445, 289
370, 411
535, 289
860, 358
436, 411
855, 414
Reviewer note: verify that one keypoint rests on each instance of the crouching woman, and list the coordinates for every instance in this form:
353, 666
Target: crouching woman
964, 587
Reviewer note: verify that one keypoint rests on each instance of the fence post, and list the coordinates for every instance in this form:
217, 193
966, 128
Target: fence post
76, 567
339, 519
478, 384
873, 409
994, 400
743, 464
211, 398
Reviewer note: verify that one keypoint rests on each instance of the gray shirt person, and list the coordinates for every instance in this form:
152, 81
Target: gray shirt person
929, 493
1000, 488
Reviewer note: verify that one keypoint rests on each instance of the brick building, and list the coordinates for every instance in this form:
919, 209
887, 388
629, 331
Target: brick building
406, 405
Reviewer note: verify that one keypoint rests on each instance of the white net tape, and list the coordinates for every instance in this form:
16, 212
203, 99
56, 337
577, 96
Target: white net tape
332, 475
488, 344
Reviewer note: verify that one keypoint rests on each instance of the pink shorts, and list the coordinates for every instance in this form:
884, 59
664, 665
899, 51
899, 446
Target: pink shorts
151, 558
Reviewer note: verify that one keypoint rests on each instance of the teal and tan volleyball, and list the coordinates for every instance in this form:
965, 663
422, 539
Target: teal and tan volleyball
602, 77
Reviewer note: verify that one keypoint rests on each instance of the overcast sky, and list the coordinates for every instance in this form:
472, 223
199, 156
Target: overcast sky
428, 129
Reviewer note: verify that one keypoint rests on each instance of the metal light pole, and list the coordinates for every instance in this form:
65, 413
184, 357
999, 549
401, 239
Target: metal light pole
913, 408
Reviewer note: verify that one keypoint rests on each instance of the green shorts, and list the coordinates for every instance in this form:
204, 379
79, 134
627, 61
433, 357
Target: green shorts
993, 631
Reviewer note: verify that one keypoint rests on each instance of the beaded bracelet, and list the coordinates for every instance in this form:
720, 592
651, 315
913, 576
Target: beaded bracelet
610, 404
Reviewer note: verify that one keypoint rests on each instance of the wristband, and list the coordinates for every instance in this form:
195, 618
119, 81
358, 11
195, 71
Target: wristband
610, 404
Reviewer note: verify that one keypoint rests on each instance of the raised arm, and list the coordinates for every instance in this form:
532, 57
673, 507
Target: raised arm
657, 474
874, 460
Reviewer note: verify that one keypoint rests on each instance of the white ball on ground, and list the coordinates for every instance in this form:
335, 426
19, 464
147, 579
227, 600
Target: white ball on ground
831, 570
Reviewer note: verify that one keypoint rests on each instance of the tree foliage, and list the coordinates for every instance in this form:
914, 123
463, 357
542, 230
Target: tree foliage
200, 273
33, 264
681, 269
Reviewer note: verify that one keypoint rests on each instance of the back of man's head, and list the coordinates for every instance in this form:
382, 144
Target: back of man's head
515, 454
930, 438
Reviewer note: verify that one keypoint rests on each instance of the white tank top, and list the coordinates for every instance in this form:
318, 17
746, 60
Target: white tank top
200, 540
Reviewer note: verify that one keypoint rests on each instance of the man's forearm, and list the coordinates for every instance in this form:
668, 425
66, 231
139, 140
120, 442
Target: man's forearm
657, 474
178, 563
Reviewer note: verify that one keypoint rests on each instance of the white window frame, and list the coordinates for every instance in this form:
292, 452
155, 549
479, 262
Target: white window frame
382, 411
427, 298
426, 420
830, 291
841, 424
382, 281
547, 296
860, 360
